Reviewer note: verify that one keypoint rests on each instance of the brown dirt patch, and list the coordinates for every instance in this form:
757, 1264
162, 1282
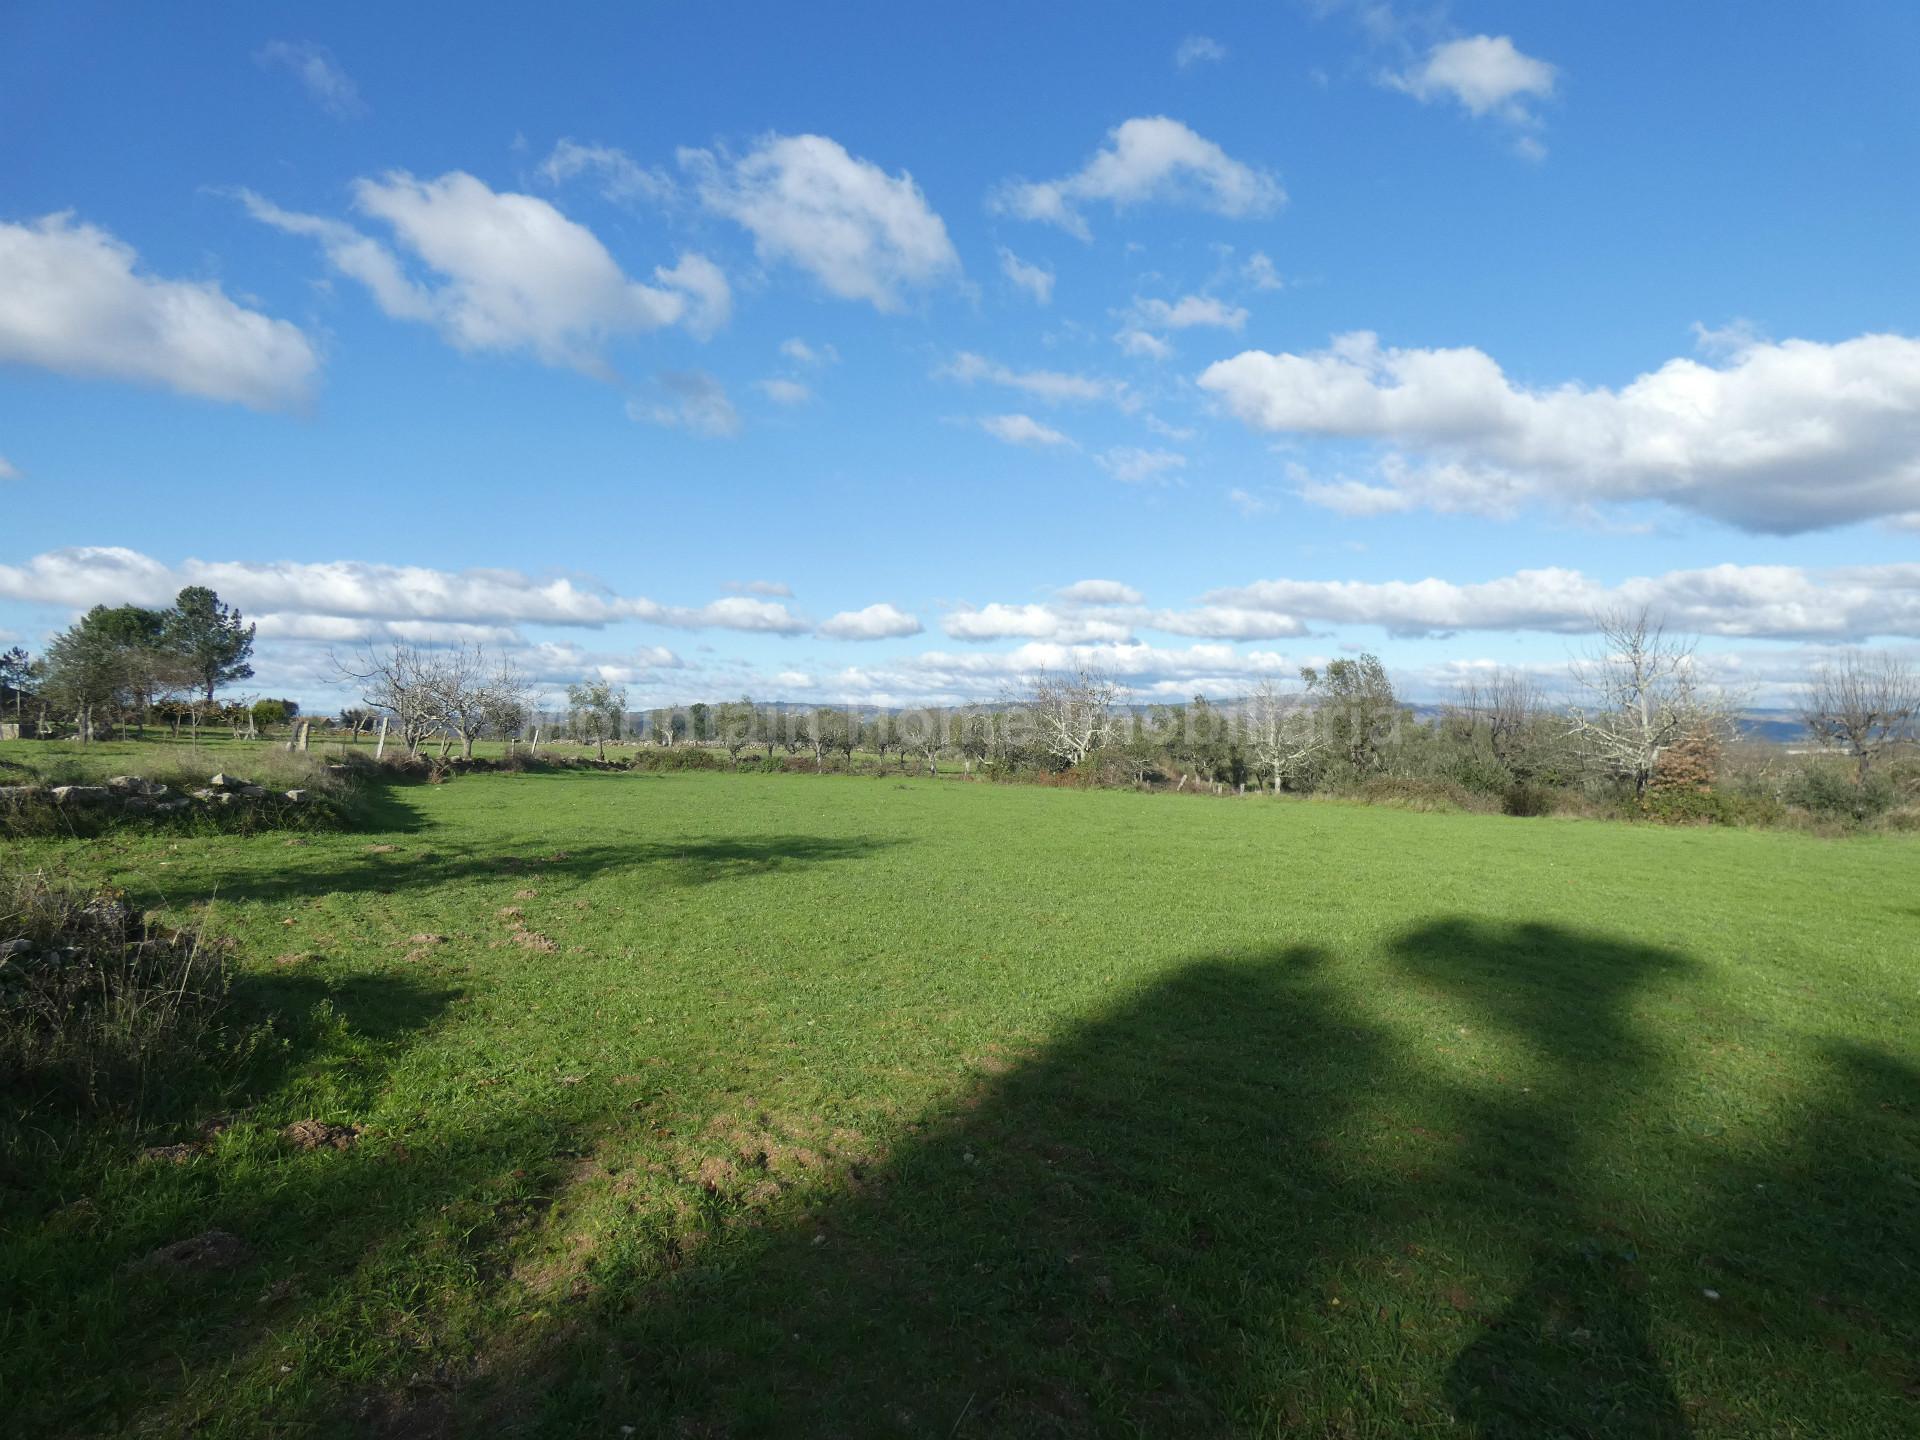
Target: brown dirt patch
534, 940
168, 1154
319, 1135
526, 894
510, 912
210, 1250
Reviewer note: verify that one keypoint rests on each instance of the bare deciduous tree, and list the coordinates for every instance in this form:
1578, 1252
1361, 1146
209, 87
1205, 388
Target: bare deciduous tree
1073, 714
1646, 693
1862, 704
1282, 732
404, 682
506, 702
460, 682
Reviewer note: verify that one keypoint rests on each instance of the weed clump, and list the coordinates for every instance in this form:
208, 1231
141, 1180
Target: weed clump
99, 1006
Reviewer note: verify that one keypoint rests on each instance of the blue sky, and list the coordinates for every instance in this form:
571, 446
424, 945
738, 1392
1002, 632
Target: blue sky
825, 352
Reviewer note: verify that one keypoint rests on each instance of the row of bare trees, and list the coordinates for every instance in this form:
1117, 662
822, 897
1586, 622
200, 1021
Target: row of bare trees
1641, 695
457, 695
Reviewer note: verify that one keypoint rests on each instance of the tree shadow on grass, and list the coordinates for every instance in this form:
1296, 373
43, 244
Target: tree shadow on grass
1115, 1233
1148, 1226
1812, 1246
79, 1303
680, 863
1569, 1354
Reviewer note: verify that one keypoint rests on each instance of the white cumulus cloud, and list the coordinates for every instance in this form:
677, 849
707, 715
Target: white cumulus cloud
112, 575
1778, 437
1100, 592
862, 233
621, 178
1137, 342
1485, 73
1189, 312
876, 622
1034, 622
1022, 430
1036, 280
506, 271
73, 300
1750, 601
1147, 159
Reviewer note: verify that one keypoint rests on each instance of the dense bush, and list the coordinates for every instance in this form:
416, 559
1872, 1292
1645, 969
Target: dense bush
664, 758
1832, 794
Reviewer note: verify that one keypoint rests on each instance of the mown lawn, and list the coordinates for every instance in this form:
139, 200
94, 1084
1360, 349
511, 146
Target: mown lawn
730, 1105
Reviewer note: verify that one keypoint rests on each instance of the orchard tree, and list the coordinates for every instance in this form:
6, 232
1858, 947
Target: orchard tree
270, 712
1072, 715
1864, 705
733, 722
506, 703
403, 682
922, 734
824, 730
594, 710
1282, 732
880, 735
1644, 694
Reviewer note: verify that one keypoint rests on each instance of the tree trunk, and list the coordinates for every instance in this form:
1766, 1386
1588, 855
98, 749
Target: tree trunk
466, 749
602, 741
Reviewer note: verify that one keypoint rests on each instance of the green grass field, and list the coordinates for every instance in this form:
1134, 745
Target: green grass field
730, 1105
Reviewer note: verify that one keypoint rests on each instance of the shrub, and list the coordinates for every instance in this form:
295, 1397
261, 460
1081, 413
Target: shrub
662, 758
98, 1006
1830, 793
1472, 770
1527, 800
1408, 793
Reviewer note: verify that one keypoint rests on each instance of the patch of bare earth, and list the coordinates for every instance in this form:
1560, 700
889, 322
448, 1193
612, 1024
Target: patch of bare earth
319, 1135
210, 1250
